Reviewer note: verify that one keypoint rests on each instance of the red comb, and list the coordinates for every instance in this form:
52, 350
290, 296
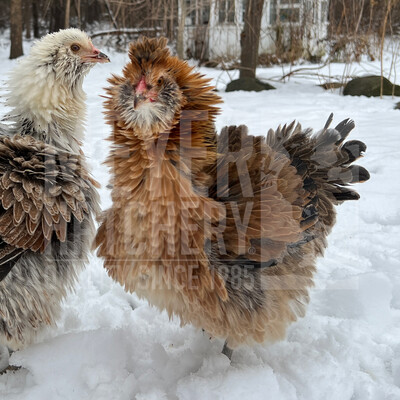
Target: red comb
141, 86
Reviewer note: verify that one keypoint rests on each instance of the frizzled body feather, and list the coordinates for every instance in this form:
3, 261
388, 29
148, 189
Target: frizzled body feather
220, 230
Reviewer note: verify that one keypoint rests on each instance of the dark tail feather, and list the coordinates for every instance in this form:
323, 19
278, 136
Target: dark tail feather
324, 160
334, 171
346, 175
328, 122
359, 174
354, 149
342, 194
344, 128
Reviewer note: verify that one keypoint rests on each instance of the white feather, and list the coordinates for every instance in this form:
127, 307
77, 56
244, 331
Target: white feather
45, 88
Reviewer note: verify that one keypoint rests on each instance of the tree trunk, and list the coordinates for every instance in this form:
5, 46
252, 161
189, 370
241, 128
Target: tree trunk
250, 38
57, 15
27, 18
67, 11
387, 13
78, 12
35, 17
181, 29
16, 29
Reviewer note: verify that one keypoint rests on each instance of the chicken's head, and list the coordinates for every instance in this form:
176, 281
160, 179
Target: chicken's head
155, 88
69, 53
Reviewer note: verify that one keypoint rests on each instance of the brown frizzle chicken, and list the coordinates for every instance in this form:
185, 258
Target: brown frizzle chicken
220, 230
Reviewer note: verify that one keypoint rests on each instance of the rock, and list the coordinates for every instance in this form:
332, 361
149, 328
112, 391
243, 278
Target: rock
397, 106
370, 86
248, 84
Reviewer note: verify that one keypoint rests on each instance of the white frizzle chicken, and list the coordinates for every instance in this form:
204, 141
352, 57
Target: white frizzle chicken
47, 197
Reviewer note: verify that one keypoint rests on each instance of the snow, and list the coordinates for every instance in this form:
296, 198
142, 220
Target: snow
110, 345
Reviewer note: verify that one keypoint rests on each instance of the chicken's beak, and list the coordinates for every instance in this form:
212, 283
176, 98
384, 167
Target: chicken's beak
95, 56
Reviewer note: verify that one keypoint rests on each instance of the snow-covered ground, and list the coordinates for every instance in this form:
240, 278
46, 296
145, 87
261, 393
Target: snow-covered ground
109, 345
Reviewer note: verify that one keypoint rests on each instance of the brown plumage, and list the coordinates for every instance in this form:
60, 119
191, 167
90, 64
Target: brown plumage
220, 230
42, 191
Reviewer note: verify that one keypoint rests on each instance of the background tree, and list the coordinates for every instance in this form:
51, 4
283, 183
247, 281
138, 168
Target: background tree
181, 27
16, 22
27, 18
249, 43
57, 12
250, 38
355, 26
35, 18
67, 13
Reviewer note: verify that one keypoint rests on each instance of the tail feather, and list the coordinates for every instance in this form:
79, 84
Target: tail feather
354, 149
344, 128
328, 122
359, 174
346, 175
324, 160
344, 193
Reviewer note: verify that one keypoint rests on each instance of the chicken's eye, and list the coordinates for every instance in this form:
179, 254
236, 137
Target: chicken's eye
160, 81
75, 48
